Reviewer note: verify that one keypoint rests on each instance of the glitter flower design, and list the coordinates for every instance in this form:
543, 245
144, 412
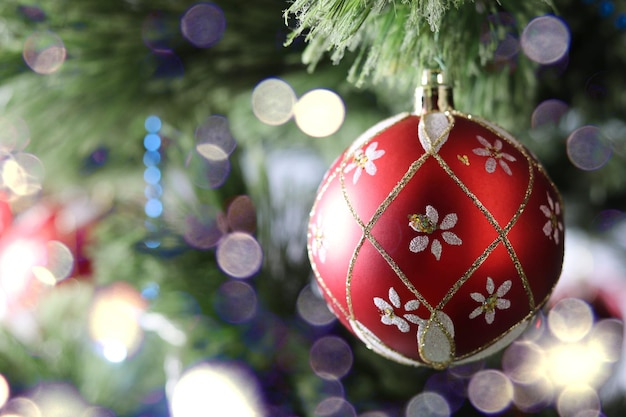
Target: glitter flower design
553, 227
364, 161
318, 244
427, 224
388, 309
492, 301
494, 155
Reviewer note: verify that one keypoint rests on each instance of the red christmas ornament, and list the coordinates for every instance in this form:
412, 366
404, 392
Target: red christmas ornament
436, 237
40, 245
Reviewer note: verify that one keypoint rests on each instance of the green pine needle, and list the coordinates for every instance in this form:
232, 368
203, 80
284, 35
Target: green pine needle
391, 42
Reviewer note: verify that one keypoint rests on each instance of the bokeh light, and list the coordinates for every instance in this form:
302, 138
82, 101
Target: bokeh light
151, 158
21, 407
16, 261
57, 399
451, 387
208, 390
214, 140
428, 404
570, 319
153, 124
239, 255
606, 339
490, 391
498, 29
334, 407
152, 175
236, 302
32, 173
577, 399
331, 357
587, 148
561, 358
327, 388
537, 327
522, 362
211, 152
312, 308
241, 214
567, 364
151, 291
466, 370
44, 52
548, 112
203, 230
152, 142
319, 113
203, 24
507, 48
96, 159
14, 134
207, 174
273, 101
153, 208
5, 391
208, 163
545, 40
534, 396
21, 174
58, 266
153, 191
114, 320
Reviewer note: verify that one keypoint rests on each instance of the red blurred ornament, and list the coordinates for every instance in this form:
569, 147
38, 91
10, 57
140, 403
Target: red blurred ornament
41, 248
6, 216
436, 237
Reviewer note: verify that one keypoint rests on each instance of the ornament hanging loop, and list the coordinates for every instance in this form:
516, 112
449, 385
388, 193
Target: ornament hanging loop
434, 93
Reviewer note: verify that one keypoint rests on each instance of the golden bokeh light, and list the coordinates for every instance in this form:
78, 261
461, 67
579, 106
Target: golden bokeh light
319, 113
273, 101
114, 320
215, 390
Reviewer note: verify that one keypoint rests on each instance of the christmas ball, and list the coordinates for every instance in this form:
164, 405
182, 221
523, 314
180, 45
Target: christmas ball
436, 236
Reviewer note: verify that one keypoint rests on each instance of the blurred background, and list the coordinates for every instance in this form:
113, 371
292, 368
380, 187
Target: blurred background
158, 161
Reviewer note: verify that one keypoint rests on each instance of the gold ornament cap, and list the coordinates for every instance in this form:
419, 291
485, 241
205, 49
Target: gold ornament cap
434, 93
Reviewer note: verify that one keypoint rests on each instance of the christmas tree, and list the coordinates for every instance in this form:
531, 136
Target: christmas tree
159, 160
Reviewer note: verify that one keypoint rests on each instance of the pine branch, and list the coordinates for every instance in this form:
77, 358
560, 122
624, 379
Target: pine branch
390, 42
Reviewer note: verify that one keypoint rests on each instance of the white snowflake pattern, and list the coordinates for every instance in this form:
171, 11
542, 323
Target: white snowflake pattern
318, 241
491, 302
388, 309
364, 160
427, 224
553, 227
494, 155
